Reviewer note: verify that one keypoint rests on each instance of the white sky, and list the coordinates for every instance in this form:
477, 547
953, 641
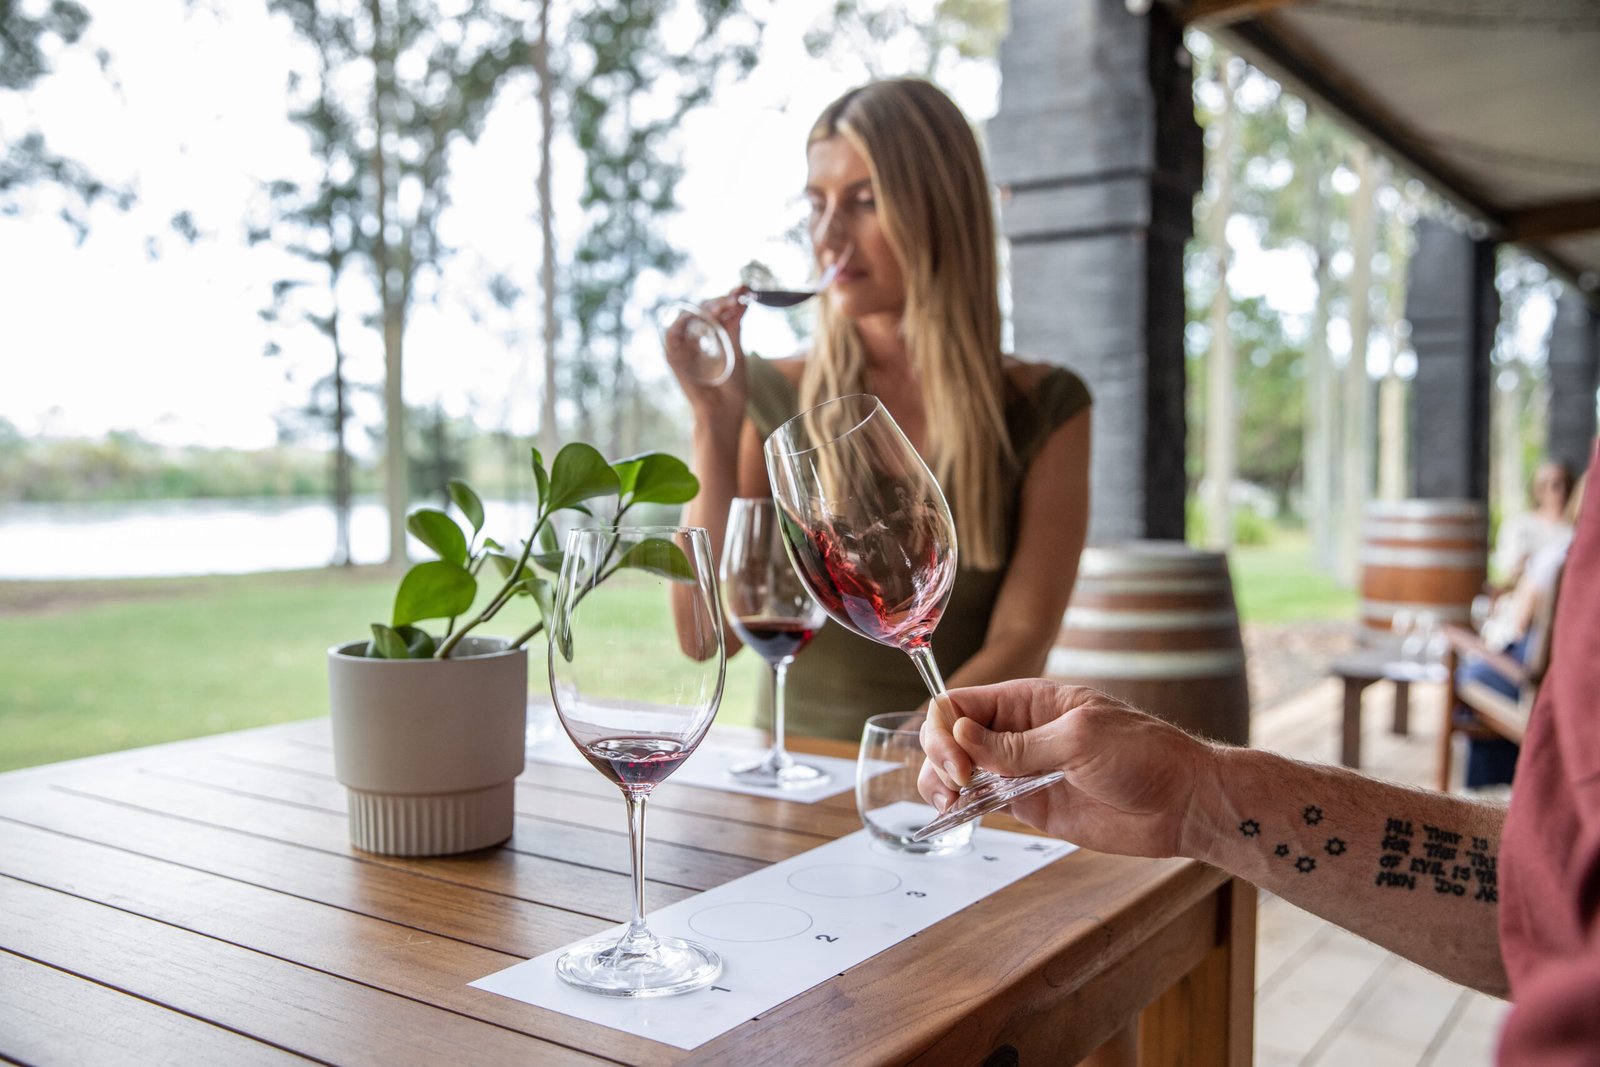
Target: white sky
101, 336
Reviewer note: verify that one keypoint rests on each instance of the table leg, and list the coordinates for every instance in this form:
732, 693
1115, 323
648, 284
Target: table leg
1350, 727
1207, 1019
1402, 707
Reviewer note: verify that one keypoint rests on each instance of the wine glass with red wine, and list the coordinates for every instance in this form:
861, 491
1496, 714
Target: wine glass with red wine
868, 528
772, 612
636, 671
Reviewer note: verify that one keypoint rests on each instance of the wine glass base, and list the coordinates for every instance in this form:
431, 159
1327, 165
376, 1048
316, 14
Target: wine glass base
669, 967
986, 793
775, 772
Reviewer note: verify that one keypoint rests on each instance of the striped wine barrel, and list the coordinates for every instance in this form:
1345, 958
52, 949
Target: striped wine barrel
1153, 623
1422, 555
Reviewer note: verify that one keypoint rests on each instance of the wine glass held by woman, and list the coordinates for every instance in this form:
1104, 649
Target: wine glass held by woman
897, 191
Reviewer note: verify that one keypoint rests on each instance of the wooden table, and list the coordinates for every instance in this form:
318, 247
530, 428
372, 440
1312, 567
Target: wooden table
1362, 668
199, 902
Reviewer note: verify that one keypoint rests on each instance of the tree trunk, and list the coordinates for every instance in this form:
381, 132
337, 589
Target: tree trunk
341, 453
1221, 429
1393, 461
1355, 445
549, 433
1320, 404
395, 474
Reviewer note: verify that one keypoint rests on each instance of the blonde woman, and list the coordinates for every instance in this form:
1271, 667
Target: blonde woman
899, 199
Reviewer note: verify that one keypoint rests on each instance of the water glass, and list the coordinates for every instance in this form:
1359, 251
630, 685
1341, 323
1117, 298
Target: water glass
886, 787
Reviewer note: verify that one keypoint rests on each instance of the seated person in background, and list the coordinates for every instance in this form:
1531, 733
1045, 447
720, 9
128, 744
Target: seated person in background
1527, 531
1494, 898
900, 201
1517, 628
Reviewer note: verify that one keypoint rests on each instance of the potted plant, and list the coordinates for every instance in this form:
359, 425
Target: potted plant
428, 728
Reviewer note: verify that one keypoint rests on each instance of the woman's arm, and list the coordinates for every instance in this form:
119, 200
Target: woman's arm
1052, 521
1414, 871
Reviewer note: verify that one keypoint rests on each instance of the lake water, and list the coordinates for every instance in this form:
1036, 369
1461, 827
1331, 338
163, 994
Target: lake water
183, 537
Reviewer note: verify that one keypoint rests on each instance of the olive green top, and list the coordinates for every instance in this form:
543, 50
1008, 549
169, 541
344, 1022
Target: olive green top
842, 678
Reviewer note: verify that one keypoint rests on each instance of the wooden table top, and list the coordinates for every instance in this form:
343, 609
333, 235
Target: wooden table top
200, 902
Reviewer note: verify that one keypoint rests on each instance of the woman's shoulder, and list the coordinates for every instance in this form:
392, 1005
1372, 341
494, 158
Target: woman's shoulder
1048, 388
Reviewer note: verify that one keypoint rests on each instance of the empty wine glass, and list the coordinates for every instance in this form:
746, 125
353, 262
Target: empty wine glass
636, 672
868, 529
772, 612
693, 338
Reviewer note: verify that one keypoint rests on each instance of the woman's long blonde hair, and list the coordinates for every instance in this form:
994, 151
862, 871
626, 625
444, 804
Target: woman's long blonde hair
933, 201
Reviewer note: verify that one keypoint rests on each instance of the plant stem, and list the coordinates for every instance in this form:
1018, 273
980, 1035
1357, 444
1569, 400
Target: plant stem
500, 598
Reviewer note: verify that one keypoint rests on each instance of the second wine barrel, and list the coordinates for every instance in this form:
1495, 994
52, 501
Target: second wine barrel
1422, 556
1154, 623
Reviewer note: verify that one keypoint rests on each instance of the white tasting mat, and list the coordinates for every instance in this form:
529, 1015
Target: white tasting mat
791, 926
707, 768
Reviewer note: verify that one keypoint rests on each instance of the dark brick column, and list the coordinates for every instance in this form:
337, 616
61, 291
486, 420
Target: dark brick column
1099, 156
1452, 306
1574, 374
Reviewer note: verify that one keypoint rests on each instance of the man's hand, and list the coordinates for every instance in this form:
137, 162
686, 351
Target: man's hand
1130, 776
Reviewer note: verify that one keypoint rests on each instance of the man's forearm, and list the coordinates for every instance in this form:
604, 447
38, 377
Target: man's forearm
1413, 871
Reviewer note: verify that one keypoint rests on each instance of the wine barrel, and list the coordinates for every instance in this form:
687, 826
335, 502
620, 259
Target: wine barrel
1422, 555
1154, 623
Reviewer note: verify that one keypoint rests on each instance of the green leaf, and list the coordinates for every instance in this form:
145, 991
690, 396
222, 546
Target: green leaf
540, 477
468, 502
543, 594
657, 478
437, 589
491, 543
439, 532
659, 557
579, 473
547, 553
386, 644
506, 565
419, 643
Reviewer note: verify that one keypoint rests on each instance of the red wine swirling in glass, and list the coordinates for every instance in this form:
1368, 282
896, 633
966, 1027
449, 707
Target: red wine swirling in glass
771, 610
869, 531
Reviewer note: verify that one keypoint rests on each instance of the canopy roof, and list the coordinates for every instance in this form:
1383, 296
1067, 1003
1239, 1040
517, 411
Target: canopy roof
1493, 103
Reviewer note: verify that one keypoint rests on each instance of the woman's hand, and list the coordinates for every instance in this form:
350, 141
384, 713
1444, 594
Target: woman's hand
1130, 776
721, 405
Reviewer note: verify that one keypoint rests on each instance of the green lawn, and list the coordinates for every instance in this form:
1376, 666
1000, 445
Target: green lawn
90, 667
1277, 582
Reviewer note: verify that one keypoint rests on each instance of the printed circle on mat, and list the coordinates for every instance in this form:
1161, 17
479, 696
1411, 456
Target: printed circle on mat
844, 880
750, 920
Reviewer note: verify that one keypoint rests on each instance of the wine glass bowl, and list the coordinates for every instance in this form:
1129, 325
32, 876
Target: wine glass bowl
636, 672
869, 531
694, 340
771, 610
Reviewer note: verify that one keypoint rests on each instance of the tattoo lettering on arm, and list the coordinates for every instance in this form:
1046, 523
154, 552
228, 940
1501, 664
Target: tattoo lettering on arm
1439, 861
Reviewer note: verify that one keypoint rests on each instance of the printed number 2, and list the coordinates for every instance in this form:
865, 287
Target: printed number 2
827, 937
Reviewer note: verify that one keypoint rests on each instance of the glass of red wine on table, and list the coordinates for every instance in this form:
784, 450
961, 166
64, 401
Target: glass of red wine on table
772, 612
869, 531
636, 673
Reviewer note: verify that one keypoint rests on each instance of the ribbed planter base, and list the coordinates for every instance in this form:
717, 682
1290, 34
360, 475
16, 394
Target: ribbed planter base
429, 749
400, 825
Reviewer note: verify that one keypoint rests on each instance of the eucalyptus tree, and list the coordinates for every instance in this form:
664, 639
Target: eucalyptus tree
926, 45
29, 35
391, 87
635, 70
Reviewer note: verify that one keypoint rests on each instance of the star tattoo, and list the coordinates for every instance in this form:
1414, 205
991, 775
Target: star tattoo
1335, 846
1305, 864
1313, 815
1250, 828
1281, 850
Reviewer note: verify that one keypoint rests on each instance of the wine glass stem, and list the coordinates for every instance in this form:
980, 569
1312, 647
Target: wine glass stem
636, 928
780, 673
928, 667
